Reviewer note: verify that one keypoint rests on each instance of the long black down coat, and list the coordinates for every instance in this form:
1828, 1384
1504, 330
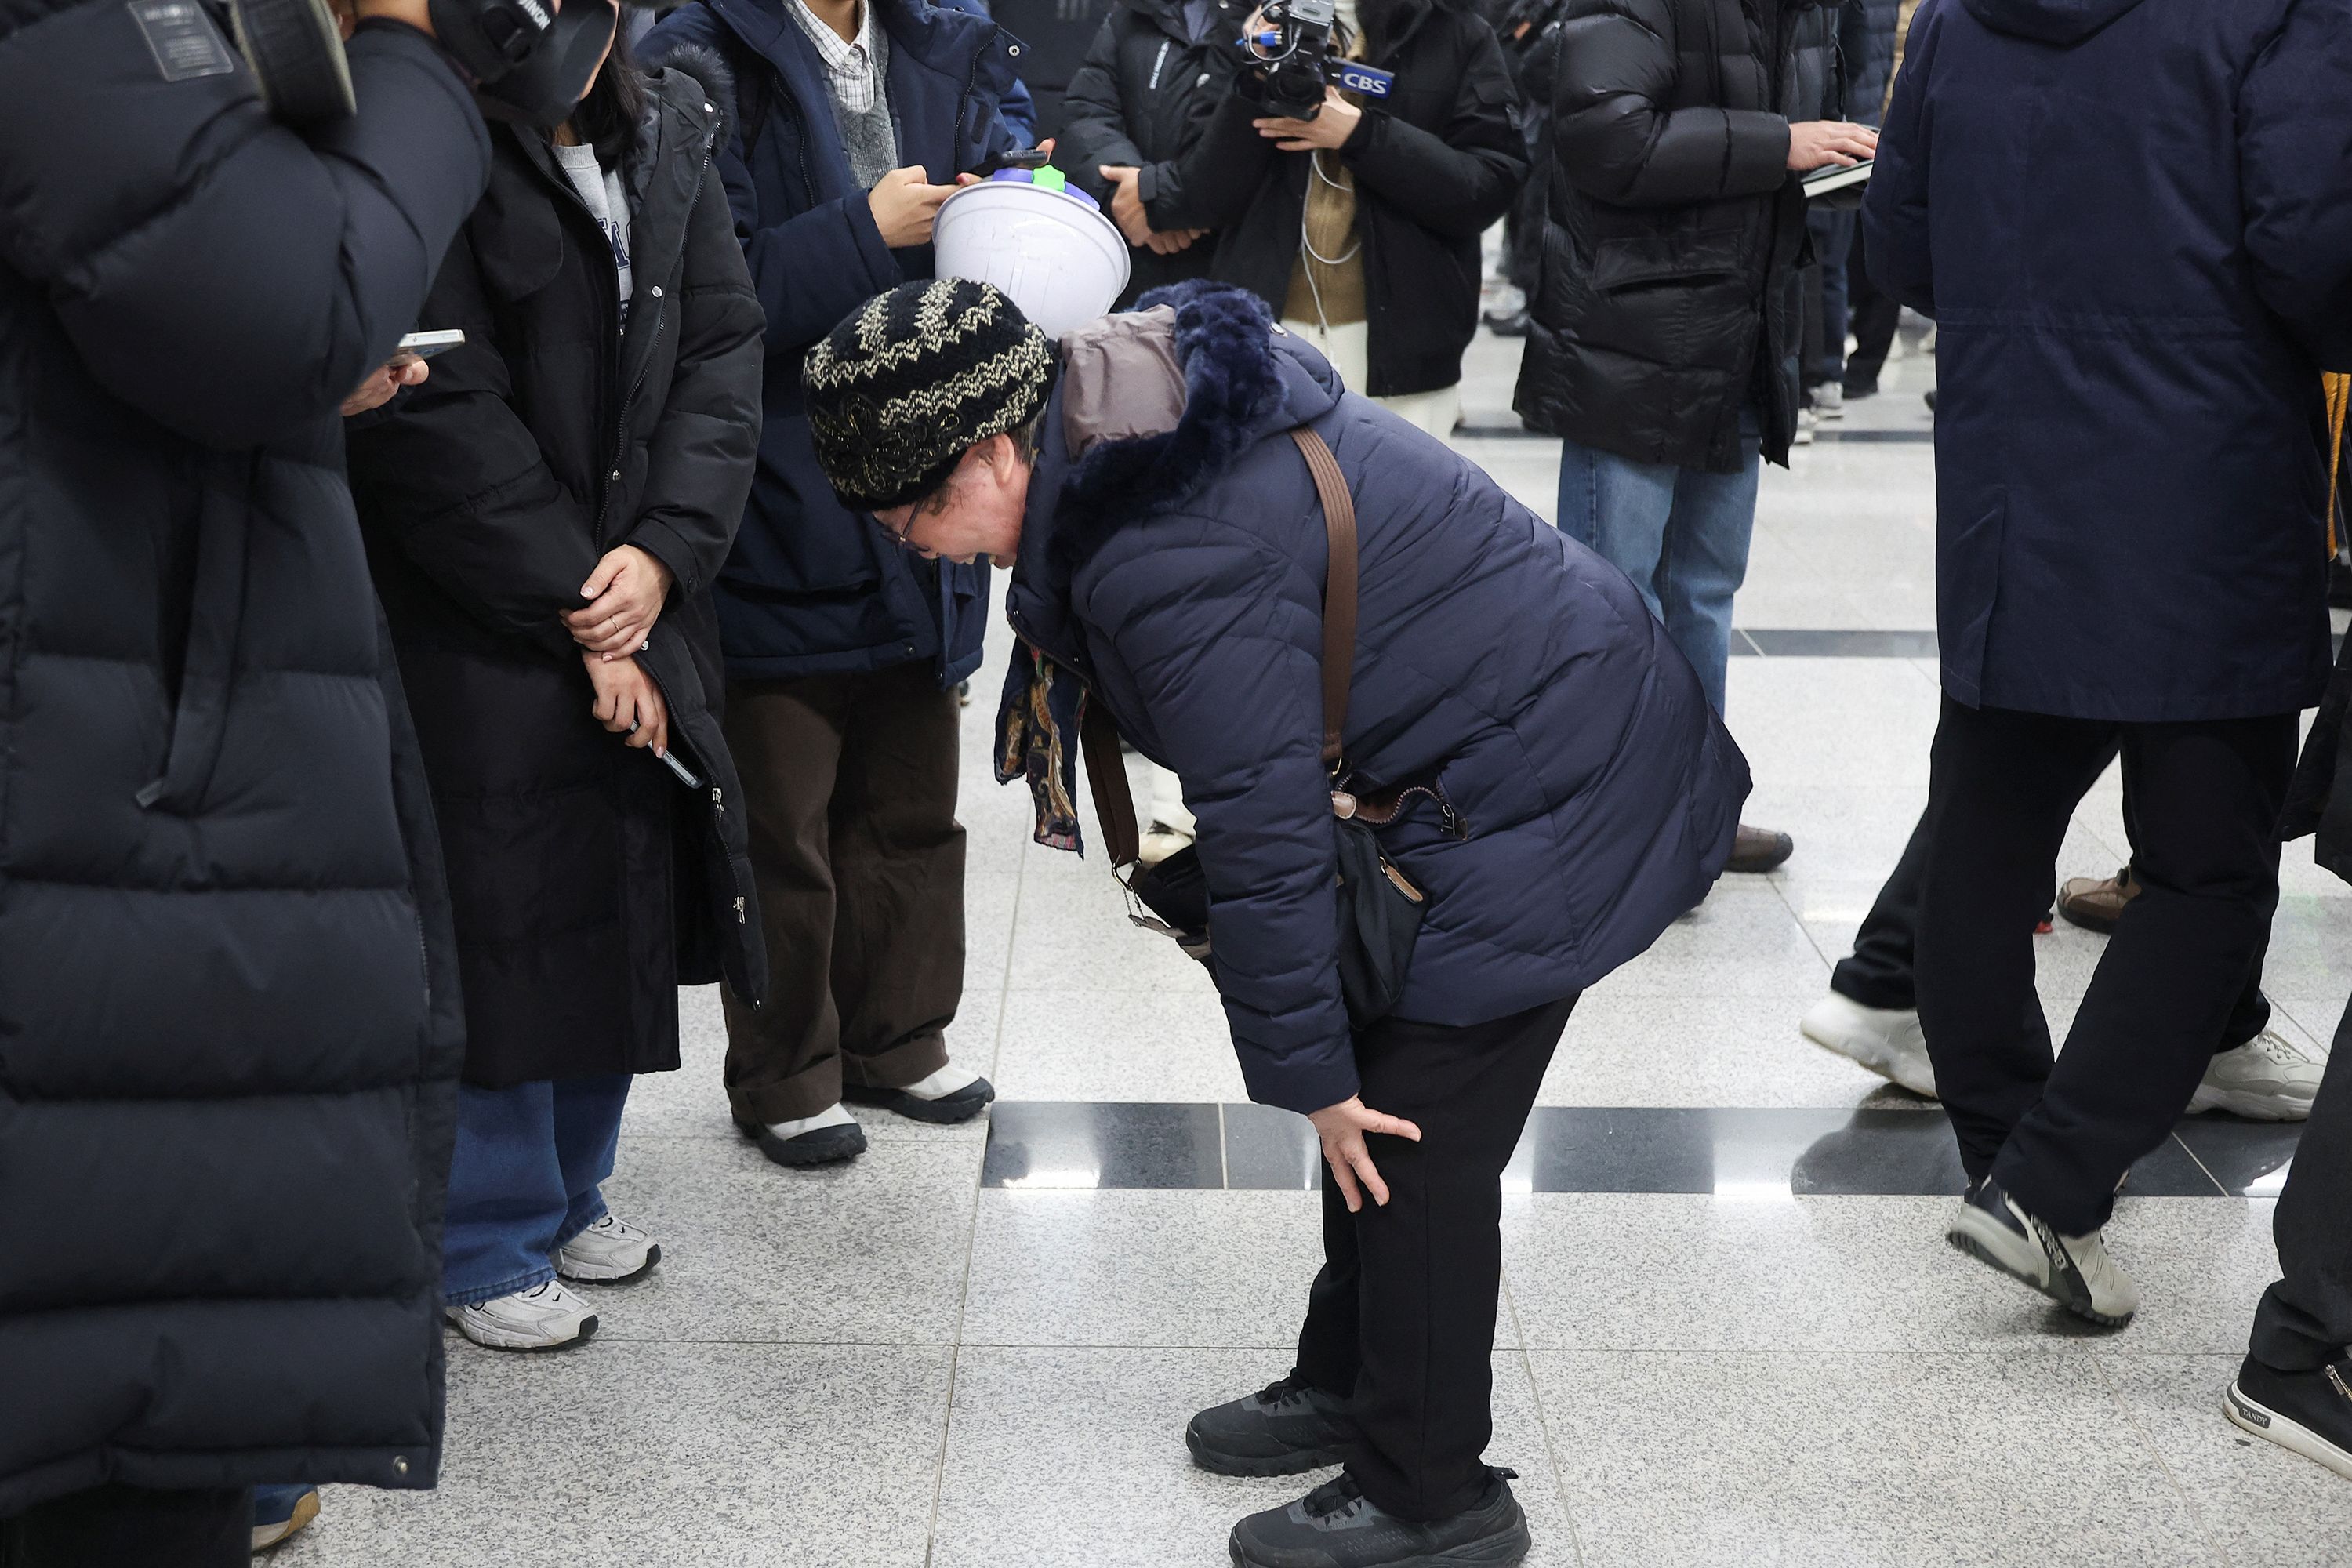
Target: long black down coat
229, 1032
588, 882
1435, 163
1674, 228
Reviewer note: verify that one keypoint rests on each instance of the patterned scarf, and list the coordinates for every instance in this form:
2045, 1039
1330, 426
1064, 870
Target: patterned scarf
1037, 730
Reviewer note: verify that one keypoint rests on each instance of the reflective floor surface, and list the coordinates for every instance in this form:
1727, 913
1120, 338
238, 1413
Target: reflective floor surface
1732, 1332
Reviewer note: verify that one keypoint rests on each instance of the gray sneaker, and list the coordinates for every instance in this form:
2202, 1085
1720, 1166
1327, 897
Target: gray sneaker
1281, 1430
1335, 1526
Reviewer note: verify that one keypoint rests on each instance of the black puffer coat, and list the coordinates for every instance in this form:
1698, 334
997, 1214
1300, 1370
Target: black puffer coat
229, 1032
588, 882
1141, 99
1674, 228
1435, 163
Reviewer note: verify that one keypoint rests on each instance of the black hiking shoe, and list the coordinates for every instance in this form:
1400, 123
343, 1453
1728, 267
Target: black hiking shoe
1335, 1526
2307, 1412
1284, 1428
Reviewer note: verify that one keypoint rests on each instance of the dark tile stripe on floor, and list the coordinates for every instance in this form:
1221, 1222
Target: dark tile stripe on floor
1826, 435
1831, 643
1078, 1145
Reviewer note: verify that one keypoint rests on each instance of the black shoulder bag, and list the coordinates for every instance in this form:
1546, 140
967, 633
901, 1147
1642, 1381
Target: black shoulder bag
1379, 910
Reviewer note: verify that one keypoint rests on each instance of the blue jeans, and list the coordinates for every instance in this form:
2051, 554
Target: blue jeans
524, 1181
1680, 533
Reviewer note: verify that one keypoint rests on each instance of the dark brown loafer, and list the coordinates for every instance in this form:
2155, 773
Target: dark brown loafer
1759, 849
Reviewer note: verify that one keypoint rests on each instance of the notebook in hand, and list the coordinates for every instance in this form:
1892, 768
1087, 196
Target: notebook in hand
1829, 180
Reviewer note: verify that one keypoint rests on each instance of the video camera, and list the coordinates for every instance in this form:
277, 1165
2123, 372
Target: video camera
1299, 53
528, 61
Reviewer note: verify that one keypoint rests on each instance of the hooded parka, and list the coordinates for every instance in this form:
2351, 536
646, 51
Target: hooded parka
229, 1023
813, 588
1436, 163
1593, 793
588, 881
1674, 231
2132, 221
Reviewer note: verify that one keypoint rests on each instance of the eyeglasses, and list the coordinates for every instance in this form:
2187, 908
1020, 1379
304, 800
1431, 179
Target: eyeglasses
899, 536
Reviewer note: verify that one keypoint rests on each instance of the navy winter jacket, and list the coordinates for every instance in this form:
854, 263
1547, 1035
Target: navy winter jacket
1181, 574
2133, 221
813, 588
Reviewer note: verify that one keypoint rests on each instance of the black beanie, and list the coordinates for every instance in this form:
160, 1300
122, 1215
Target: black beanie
916, 378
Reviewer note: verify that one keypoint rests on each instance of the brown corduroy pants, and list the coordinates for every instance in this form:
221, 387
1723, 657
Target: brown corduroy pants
849, 781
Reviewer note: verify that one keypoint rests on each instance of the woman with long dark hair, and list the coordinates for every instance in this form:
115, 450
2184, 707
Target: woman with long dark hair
543, 516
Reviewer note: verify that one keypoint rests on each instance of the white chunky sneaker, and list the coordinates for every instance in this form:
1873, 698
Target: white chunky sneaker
1886, 1040
2072, 1270
543, 1318
2268, 1079
607, 1252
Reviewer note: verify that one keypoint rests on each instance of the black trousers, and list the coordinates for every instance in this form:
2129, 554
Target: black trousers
1882, 971
1875, 316
2205, 801
1401, 1320
116, 1526
2306, 1320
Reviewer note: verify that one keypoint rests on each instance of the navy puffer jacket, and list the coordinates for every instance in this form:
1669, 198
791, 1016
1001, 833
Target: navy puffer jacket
2132, 220
1181, 573
813, 588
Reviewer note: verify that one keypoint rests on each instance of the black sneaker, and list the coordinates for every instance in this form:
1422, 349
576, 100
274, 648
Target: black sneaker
1284, 1428
2307, 1412
1335, 1526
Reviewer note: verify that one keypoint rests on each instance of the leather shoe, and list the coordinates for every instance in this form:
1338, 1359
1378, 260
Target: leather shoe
1759, 849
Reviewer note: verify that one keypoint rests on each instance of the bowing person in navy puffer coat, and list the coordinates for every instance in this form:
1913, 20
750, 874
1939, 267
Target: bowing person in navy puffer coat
1170, 554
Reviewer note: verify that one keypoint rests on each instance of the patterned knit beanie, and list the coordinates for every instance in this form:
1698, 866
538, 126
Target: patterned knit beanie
916, 378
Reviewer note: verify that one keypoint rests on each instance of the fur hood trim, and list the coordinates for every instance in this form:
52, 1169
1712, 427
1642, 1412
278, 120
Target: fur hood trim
1233, 392
707, 69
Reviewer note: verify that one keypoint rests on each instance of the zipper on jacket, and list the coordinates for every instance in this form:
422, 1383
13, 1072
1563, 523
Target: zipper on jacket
620, 435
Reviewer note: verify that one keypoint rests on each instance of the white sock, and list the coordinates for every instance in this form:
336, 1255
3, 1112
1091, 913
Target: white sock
831, 1116
948, 1080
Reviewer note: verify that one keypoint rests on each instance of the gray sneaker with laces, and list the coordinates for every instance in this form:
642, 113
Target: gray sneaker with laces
1337, 1526
1284, 1428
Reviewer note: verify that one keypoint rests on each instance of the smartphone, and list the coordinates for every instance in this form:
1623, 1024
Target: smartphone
1018, 158
425, 345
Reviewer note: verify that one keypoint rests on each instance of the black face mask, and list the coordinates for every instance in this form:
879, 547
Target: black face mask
529, 64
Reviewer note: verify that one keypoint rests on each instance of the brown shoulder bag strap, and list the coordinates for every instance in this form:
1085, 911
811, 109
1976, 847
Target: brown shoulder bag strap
1099, 737
1339, 586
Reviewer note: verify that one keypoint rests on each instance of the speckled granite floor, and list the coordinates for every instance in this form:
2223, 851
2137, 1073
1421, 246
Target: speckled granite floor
913, 1362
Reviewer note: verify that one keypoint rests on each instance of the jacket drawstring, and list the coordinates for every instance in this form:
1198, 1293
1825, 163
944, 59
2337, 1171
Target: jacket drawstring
215, 622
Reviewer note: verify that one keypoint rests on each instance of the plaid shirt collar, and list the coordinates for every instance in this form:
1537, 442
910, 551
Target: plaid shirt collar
848, 67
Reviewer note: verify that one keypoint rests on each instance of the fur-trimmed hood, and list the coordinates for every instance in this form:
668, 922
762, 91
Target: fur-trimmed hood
1244, 379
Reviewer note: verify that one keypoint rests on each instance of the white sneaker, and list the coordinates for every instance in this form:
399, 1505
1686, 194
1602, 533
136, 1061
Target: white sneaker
1806, 420
1886, 1040
1160, 843
543, 1318
2072, 1270
1829, 399
607, 1252
2268, 1079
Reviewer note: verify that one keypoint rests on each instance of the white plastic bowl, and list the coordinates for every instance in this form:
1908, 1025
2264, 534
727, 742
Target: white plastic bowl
1061, 261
